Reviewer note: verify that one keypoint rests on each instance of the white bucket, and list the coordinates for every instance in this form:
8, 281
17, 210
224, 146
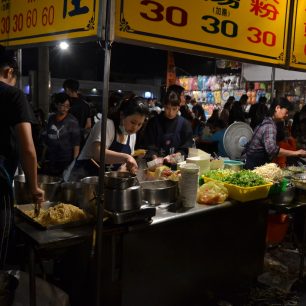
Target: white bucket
202, 161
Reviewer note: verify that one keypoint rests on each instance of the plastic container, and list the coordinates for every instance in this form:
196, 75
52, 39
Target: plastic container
277, 228
202, 162
188, 184
245, 194
234, 165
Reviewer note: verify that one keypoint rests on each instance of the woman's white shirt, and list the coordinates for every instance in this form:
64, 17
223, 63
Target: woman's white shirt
95, 136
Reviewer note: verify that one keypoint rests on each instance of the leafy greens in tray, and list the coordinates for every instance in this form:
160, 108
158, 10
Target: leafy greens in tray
243, 178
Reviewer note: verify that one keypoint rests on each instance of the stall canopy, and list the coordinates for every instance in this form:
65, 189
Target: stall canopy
257, 73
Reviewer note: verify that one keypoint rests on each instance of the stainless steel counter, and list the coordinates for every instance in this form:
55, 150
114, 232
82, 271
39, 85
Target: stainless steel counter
164, 213
183, 251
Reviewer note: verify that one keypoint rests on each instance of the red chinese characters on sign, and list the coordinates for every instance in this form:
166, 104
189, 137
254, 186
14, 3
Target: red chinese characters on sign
263, 9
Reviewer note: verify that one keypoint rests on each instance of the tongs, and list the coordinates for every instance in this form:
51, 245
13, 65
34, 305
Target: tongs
36, 209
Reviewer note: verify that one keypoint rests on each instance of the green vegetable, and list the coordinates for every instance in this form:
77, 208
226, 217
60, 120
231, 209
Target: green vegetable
219, 174
243, 178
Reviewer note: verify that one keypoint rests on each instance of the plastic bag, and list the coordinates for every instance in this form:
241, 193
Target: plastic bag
212, 193
46, 293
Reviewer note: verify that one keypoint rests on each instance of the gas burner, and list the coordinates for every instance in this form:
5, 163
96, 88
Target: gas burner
144, 214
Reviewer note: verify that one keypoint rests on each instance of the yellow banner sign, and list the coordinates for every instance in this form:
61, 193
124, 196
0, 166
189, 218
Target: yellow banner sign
35, 21
298, 42
245, 29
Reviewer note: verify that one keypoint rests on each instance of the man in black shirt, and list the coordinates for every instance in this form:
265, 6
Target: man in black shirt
16, 145
168, 132
78, 107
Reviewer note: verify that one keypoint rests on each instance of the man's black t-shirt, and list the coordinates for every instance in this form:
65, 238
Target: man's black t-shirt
80, 109
14, 109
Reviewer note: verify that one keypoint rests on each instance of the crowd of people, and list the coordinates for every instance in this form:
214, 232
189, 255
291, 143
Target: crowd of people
70, 139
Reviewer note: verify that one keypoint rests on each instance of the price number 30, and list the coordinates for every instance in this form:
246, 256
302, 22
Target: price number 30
174, 15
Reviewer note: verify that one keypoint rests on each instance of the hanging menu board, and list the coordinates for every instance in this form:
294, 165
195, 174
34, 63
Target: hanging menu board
34, 21
298, 42
248, 29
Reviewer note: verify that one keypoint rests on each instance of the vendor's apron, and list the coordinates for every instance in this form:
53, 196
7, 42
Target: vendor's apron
86, 167
256, 159
170, 142
120, 148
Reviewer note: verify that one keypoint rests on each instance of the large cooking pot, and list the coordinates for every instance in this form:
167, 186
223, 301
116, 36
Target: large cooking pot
89, 192
50, 185
123, 199
159, 192
71, 192
119, 180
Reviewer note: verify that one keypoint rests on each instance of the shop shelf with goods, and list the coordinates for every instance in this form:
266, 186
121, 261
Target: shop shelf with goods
212, 91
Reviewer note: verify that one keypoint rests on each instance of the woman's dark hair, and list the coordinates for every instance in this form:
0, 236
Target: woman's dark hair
229, 103
129, 107
282, 103
71, 84
262, 99
243, 99
173, 95
60, 98
8, 59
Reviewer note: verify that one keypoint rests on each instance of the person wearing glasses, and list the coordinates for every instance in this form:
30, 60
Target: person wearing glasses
61, 139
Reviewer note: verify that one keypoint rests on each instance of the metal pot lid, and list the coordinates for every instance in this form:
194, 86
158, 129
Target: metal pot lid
236, 136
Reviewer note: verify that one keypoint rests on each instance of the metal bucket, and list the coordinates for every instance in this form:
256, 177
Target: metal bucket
71, 192
123, 199
50, 185
89, 188
159, 192
119, 180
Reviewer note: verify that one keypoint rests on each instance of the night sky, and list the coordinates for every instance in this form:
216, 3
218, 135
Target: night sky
85, 61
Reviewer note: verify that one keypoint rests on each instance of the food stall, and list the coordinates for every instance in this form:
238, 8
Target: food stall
178, 253
167, 257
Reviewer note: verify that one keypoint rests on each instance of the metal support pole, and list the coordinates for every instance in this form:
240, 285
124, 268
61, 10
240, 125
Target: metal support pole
19, 62
273, 83
100, 199
43, 79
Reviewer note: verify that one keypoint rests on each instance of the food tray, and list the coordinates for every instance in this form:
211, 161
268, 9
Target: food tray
245, 194
21, 209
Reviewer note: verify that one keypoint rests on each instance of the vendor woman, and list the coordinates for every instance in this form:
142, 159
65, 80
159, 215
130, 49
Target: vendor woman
168, 132
121, 132
263, 148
